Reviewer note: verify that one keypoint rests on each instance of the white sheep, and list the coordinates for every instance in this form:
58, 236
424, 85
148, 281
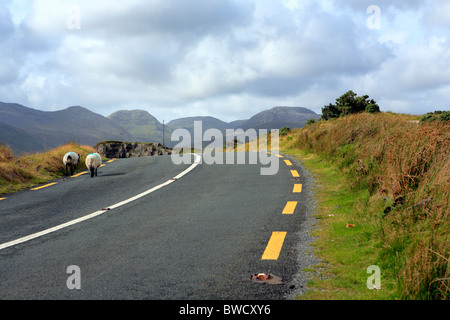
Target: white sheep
93, 161
70, 160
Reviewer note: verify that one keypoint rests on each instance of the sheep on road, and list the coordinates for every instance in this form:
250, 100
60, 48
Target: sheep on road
70, 161
93, 161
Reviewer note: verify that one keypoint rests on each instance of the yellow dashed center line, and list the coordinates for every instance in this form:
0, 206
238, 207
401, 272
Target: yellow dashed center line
276, 241
80, 174
45, 186
290, 207
297, 188
274, 246
2, 199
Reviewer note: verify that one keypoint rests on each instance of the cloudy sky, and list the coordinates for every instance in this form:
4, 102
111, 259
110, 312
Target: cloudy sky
224, 58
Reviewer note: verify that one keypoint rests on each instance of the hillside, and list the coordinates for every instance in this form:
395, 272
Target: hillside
207, 123
142, 125
236, 124
51, 129
30, 170
27, 130
395, 194
20, 141
279, 117
275, 118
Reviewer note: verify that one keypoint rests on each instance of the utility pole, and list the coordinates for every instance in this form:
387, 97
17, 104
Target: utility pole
163, 135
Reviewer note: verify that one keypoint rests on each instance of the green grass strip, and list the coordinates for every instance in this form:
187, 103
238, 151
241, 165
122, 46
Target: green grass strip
345, 241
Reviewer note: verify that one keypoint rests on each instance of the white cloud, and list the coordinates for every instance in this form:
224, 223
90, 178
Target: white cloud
33, 88
225, 58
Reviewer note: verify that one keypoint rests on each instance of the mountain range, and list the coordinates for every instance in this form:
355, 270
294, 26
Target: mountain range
28, 130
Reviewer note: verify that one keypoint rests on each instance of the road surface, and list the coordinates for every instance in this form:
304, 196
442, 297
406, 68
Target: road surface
199, 236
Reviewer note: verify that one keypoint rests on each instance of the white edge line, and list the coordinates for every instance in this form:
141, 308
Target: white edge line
98, 213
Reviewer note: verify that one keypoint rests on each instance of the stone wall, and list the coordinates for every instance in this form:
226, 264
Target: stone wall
119, 150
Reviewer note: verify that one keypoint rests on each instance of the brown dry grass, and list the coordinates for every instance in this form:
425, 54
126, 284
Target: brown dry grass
405, 166
29, 170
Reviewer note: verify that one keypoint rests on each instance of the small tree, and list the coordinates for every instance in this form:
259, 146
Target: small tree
372, 108
349, 103
330, 112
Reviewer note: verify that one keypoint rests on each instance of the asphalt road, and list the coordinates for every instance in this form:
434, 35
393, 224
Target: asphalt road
199, 237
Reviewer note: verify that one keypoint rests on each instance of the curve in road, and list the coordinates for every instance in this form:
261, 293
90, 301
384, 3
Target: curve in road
99, 212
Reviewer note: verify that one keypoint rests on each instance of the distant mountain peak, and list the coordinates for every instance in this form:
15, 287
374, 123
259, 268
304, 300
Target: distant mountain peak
50, 129
280, 116
141, 124
136, 115
76, 109
207, 122
296, 109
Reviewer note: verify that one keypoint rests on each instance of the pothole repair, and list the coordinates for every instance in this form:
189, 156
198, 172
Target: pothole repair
266, 278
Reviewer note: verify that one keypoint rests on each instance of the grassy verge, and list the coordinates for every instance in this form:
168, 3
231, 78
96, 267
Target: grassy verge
30, 170
345, 252
389, 179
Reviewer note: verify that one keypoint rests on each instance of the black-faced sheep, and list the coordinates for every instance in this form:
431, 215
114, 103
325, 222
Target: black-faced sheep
93, 161
70, 161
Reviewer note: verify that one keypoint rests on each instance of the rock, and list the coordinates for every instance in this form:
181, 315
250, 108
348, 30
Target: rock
118, 150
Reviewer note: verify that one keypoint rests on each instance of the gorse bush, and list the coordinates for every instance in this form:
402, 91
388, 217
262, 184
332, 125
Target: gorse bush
443, 116
349, 103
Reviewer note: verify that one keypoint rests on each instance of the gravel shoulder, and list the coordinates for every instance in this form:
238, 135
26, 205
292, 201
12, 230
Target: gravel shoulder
306, 257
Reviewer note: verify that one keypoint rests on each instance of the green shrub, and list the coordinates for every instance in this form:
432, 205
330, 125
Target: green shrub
284, 131
445, 116
349, 103
428, 118
437, 115
372, 108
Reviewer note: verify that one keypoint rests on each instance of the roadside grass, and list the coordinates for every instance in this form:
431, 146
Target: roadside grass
345, 253
389, 177
34, 169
